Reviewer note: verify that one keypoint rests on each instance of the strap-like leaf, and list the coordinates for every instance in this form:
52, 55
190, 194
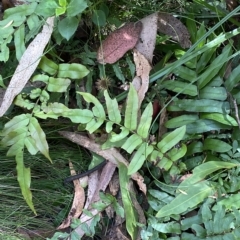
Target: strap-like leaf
131, 116
202, 105
73, 71
24, 180
145, 121
192, 196
171, 139
216, 145
203, 170
222, 118
39, 137
130, 214
205, 125
185, 73
181, 87
214, 67
181, 120
112, 108
215, 93
19, 41
78, 115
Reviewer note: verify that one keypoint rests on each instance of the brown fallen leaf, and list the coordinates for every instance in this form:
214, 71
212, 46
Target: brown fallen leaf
78, 201
119, 42
173, 27
27, 65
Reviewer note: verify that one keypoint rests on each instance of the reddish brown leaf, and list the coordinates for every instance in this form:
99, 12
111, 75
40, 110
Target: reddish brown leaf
119, 42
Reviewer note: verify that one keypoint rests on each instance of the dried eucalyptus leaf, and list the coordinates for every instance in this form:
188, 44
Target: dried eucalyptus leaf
119, 42
27, 65
171, 26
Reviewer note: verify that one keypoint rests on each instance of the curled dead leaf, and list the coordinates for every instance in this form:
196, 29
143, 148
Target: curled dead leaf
119, 42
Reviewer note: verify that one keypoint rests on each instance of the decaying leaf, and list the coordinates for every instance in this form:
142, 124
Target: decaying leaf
143, 69
78, 201
27, 65
173, 27
148, 35
119, 42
